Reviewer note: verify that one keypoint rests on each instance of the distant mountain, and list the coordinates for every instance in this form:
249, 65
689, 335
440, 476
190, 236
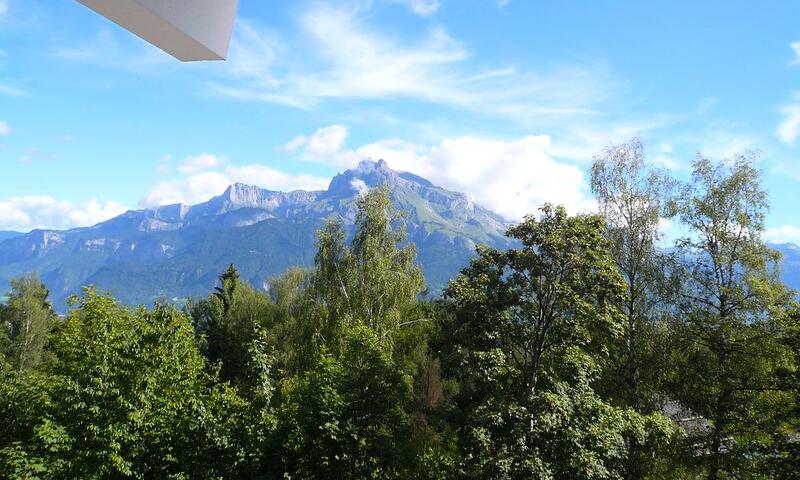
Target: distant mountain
5, 235
178, 250
790, 263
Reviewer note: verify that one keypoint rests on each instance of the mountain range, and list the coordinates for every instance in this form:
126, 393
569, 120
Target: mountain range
177, 251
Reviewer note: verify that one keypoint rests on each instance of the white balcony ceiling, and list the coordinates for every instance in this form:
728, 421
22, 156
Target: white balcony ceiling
189, 30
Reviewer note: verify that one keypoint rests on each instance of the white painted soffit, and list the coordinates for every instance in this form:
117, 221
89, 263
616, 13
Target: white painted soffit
189, 30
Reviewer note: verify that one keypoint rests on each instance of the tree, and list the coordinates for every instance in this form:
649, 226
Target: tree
126, 396
345, 407
376, 279
344, 417
785, 442
633, 199
529, 339
731, 300
228, 321
28, 318
228, 280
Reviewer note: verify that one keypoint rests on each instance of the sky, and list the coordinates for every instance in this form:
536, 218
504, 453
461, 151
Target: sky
505, 100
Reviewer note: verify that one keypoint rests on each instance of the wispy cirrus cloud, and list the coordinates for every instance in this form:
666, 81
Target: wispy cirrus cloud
421, 7
789, 127
339, 55
11, 91
107, 50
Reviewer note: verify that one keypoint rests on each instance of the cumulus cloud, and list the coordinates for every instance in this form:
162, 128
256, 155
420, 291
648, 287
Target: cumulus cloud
27, 213
359, 186
326, 145
190, 190
513, 177
789, 128
324, 142
783, 234
199, 187
199, 163
5, 129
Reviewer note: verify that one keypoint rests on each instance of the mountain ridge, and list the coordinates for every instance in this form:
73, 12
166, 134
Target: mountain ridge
177, 250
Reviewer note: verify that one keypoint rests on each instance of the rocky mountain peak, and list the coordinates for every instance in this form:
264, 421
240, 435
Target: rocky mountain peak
240, 194
368, 174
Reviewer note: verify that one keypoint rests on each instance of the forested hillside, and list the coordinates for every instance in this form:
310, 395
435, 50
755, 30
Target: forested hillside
578, 350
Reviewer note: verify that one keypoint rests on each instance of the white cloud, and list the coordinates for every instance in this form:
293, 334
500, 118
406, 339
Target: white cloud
130, 55
3, 7
795, 46
190, 190
325, 145
667, 162
10, 91
272, 179
512, 178
201, 186
341, 56
5, 129
199, 163
422, 7
783, 234
359, 186
789, 128
27, 213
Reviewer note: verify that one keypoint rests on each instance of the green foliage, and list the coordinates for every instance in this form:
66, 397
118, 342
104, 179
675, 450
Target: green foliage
549, 360
126, 396
375, 280
731, 303
27, 318
228, 321
344, 418
529, 339
633, 199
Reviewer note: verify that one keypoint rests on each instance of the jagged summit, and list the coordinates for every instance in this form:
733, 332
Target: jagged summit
178, 250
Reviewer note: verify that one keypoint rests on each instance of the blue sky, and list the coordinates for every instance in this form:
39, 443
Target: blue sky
504, 100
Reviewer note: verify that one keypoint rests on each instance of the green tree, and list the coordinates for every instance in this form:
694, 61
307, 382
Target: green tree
228, 322
353, 330
28, 318
731, 302
228, 280
377, 279
633, 199
344, 417
529, 339
126, 396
